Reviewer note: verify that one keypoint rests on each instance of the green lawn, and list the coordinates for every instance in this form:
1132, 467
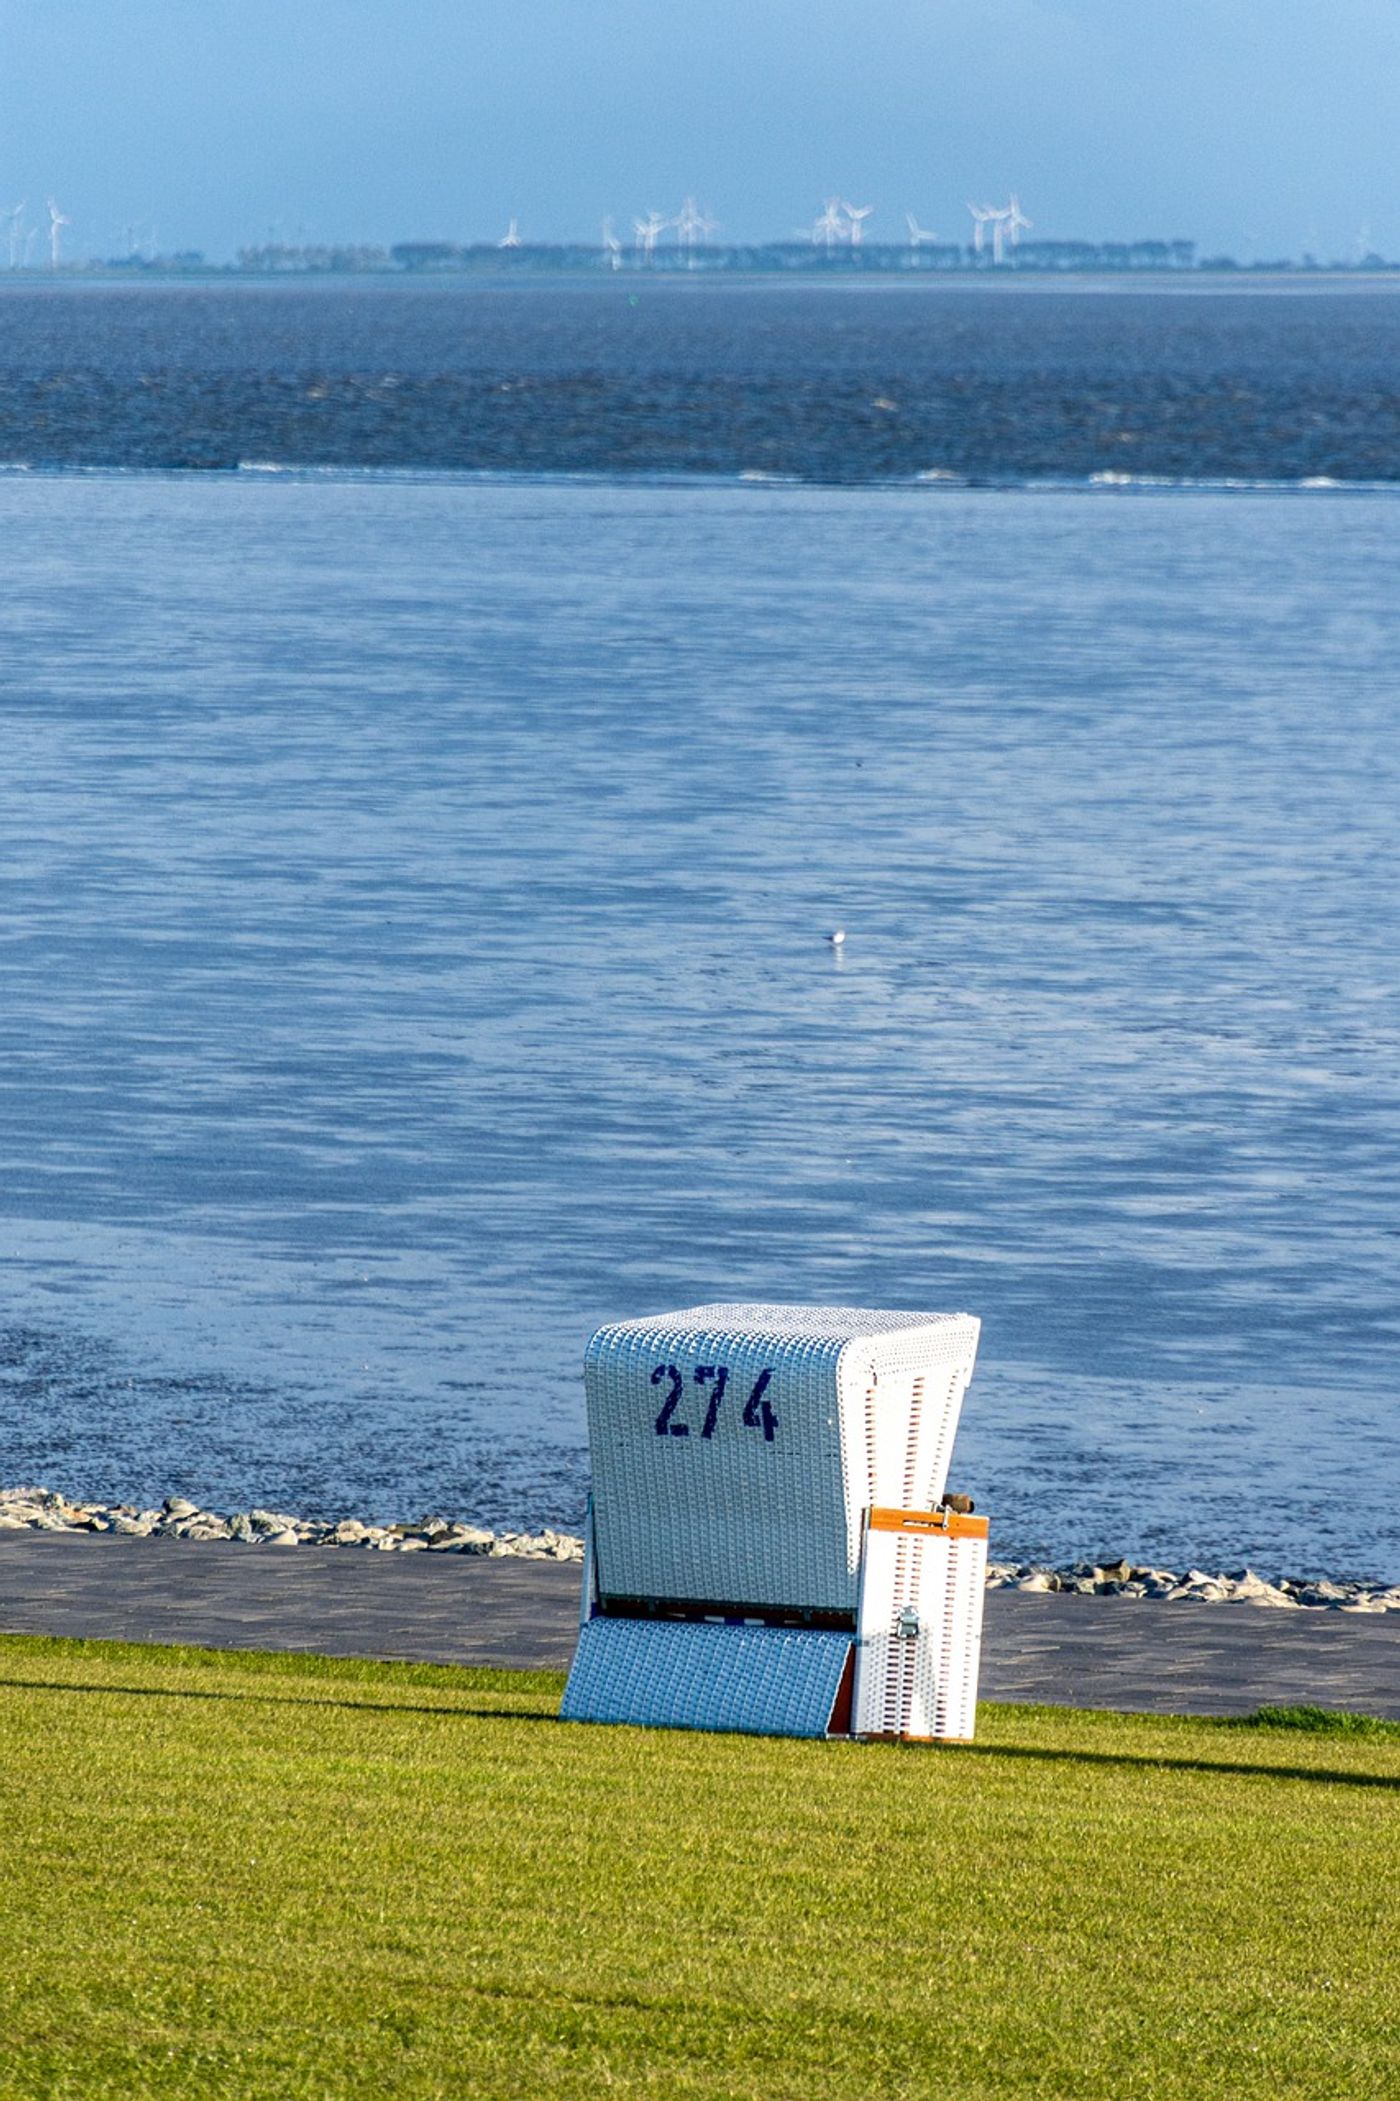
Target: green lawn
262, 1875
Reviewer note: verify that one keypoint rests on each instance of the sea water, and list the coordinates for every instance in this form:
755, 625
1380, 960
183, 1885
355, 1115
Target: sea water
413, 953
843, 382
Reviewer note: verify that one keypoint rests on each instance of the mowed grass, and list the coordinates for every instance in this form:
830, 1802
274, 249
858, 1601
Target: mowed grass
230, 1874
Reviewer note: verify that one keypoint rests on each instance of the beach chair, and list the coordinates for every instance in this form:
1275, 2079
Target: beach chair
768, 1548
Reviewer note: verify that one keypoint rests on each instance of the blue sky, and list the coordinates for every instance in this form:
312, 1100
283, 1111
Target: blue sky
1259, 126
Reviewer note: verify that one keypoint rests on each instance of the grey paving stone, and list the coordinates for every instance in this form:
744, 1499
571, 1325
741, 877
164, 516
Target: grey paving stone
1146, 1655
1127, 1653
438, 1608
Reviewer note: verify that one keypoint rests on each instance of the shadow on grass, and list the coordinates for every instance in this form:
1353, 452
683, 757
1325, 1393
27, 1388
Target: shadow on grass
274, 1699
1121, 1760
1225, 1766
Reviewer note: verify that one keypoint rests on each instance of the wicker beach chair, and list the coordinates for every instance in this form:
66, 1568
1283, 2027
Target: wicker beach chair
768, 1549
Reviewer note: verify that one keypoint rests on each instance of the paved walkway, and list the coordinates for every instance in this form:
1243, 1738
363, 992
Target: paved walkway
1127, 1653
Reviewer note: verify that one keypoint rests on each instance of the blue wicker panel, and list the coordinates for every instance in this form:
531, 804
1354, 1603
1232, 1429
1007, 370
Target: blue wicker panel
736, 1516
714, 1506
761, 1681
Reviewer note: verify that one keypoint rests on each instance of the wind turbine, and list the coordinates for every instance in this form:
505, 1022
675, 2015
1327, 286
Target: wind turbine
613, 246
857, 214
997, 217
828, 229
1016, 221
511, 236
689, 223
693, 225
14, 215
647, 230
57, 220
917, 234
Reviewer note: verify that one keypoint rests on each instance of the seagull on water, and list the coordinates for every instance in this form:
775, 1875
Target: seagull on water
837, 937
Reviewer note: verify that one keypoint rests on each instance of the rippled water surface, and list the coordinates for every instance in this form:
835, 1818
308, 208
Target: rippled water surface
846, 383
413, 954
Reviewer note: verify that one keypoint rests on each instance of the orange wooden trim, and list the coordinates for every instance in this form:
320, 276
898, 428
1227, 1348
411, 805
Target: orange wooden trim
948, 1524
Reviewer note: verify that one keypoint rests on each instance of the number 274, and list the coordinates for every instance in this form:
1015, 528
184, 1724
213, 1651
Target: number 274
711, 1381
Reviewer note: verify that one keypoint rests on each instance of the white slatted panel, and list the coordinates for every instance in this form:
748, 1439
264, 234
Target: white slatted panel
924, 1685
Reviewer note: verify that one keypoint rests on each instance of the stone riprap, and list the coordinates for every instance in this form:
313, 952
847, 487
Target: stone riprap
42, 1510
1125, 1579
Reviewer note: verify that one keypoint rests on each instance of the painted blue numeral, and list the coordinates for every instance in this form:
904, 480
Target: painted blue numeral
720, 1374
758, 1412
758, 1415
664, 1424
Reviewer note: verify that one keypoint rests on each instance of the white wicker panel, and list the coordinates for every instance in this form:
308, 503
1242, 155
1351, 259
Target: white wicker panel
763, 1681
936, 1405
922, 1685
767, 1512
901, 1393
797, 1323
